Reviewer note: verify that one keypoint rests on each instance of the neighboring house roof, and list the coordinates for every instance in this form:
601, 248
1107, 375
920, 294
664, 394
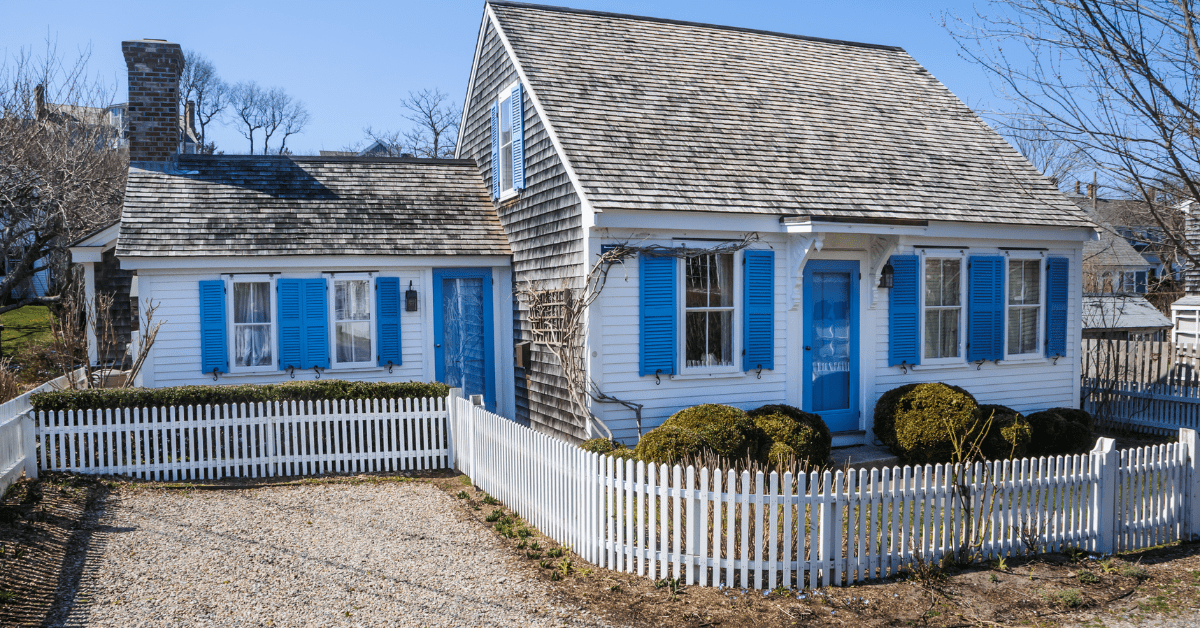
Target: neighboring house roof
277, 205
1115, 311
667, 115
1111, 250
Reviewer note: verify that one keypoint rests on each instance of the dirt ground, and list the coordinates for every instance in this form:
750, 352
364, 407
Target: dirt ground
1160, 585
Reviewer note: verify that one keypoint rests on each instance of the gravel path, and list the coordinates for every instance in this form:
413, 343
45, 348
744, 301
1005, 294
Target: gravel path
386, 554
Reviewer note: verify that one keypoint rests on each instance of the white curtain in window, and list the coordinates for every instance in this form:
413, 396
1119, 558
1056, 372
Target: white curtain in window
352, 312
252, 323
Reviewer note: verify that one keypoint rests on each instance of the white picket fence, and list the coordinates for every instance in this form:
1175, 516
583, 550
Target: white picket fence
17, 453
251, 440
711, 527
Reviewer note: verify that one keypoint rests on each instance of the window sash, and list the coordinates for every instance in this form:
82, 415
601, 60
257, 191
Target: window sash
1024, 305
353, 317
252, 322
710, 312
506, 140
942, 308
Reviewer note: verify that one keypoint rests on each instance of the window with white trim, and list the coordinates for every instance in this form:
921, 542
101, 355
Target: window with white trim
504, 101
1024, 306
709, 311
252, 323
352, 318
943, 308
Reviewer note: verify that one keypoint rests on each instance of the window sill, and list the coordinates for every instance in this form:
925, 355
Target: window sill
710, 375
1026, 359
510, 194
947, 366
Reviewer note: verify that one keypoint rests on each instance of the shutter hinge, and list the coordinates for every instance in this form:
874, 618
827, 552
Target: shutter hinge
860, 277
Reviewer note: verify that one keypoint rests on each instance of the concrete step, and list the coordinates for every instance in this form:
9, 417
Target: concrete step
863, 457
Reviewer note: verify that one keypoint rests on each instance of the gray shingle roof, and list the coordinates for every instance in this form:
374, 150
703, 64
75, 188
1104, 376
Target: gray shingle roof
266, 205
658, 114
1111, 249
1115, 311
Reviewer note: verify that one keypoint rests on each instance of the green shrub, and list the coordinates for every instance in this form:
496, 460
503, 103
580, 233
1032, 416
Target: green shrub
1059, 431
924, 418
598, 445
332, 389
727, 432
885, 414
1009, 435
780, 455
669, 444
805, 435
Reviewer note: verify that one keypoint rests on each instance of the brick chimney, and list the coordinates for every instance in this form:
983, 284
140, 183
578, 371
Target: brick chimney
153, 115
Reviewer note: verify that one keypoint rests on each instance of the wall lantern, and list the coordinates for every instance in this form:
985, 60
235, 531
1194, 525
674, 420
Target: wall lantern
885, 277
410, 299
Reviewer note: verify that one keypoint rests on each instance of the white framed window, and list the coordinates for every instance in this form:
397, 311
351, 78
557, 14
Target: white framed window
1024, 307
1128, 282
251, 315
943, 290
710, 318
505, 105
352, 322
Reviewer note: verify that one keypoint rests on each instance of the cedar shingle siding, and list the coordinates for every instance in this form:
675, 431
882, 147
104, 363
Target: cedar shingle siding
111, 279
544, 227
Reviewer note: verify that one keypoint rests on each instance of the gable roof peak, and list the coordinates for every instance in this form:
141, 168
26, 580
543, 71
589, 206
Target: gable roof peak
663, 20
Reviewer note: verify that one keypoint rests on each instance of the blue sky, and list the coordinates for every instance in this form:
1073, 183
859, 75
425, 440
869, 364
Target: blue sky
352, 61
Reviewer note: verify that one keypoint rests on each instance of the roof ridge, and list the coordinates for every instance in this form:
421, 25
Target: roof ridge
663, 20
332, 158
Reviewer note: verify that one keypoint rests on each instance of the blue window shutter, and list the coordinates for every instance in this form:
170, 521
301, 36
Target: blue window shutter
291, 336
1139, 282
387, 312
213, 349
315, 323
657, 305
759, 296
904, 311
985, 308
495, 151
1057, 286
518, 137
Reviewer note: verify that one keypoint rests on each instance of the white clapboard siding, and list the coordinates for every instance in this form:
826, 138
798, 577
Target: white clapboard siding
248, 439
716, 527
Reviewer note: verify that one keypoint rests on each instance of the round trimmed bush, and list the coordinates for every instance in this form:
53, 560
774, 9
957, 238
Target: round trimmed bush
669, 444
805, 435
923, 419
727, 432
598, 445
1056, 432
885, 414
780, 455
1009, 435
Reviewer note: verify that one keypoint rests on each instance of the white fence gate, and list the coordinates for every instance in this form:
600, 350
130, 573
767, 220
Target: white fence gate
17, 434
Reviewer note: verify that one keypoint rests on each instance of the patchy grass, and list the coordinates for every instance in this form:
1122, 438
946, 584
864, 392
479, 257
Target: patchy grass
29, 324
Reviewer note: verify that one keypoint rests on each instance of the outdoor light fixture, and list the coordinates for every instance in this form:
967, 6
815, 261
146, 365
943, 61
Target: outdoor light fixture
410, 298
885, 277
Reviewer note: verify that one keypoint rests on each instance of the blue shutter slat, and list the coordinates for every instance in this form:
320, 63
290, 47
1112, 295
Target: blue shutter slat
387, 312
495, 151
316, 328
657, 305
904, 311
213, 348
518, 137
291, 337
1058, 278
759, 293
985, 309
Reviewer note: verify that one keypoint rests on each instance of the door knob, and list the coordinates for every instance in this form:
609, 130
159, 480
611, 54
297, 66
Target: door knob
438, 346
807, 348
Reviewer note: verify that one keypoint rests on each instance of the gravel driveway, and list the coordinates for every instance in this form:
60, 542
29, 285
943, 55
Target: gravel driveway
377, 554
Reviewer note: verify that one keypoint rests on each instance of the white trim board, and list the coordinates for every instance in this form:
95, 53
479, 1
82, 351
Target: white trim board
279, 263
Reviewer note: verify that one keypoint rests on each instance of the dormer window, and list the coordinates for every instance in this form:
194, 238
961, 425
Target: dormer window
508, 142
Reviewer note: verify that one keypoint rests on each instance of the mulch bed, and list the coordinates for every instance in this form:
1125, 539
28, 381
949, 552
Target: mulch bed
43, 540
1048, 590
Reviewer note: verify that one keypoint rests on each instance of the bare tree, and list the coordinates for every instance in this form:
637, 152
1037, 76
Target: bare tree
200, 83
246, 101
1116, 79
295, 119
62, 173
280, 112
435, 129
1058, 160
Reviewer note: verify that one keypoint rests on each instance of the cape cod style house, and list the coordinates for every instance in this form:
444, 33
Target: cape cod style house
854, 167
893, 236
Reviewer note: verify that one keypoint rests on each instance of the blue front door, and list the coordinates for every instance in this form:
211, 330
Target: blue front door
831, 343
462, 331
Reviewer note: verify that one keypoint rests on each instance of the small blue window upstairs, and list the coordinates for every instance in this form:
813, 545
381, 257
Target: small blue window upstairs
904, 311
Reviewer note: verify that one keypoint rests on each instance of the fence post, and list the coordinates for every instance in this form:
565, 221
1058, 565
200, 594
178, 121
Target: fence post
452, 427
1190, 441
1105, 460
28, 435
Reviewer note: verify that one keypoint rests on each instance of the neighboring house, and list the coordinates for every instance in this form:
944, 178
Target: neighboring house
272, 268
1132, 220
1110, 264
375, 149
852, 164
1123, 317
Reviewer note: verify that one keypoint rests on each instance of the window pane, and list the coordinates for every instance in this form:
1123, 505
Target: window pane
933, 282
353, 342
252, 302
351, 300
506, 121
1033, 281
722, 285
951, 283
251, 345
932, 333
709, 281
949, 336
709, 337
1015, 282
696, 290
1022, 330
